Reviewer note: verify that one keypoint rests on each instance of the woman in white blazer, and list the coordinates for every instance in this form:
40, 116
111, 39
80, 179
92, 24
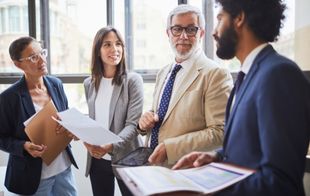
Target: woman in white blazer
115, 100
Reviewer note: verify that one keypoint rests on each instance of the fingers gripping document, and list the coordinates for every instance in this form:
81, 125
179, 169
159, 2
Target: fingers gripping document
85, 128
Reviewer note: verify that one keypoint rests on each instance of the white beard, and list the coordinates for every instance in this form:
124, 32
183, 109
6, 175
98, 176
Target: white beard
187, 55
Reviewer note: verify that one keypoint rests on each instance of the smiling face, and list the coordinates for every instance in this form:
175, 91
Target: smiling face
183, 45
111, 51
37, 68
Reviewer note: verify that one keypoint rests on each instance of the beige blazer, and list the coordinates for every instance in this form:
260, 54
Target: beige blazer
125, 110
195, 117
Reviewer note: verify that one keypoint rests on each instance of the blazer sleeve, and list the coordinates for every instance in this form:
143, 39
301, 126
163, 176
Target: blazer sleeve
134, 111
11, 130
218, 86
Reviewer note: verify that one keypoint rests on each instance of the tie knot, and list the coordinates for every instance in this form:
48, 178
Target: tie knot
240, 76
239, 80
176, 68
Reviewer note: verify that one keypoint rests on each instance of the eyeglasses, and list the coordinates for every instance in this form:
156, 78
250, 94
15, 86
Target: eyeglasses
36, 57
189, 30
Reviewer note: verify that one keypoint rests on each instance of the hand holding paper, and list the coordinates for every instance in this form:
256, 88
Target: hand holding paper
41, 130
85, 128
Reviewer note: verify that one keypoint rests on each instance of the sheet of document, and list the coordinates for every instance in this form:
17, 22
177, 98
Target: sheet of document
85, 128
206, 179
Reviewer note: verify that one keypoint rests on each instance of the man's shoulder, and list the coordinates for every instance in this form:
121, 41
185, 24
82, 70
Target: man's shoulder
207, 66
206, 63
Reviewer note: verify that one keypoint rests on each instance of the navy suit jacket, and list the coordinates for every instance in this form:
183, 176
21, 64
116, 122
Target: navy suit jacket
268, 127
23, 171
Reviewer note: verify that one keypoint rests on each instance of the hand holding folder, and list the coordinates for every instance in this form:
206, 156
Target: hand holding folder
41, 129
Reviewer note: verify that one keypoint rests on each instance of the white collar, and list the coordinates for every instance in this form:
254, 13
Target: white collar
247, 64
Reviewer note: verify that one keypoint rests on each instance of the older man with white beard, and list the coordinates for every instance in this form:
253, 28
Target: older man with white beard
190, 94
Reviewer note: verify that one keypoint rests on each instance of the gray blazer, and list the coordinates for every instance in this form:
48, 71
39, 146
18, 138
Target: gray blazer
125, 110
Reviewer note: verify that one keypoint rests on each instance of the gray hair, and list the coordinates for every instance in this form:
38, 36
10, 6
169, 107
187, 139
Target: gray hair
186, 8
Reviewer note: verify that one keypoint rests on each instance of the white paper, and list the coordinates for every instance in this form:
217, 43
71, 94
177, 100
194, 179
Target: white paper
85, 128
206, 179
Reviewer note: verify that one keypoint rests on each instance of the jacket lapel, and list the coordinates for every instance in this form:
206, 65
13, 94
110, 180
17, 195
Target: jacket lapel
188, 79
253, 70
160, 85
52, 92
91, 94
26, 98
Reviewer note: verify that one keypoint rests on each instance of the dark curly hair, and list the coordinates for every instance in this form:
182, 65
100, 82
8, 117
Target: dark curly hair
264, 17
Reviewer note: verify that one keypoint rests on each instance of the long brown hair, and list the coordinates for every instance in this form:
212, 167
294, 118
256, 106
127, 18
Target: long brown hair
97, 68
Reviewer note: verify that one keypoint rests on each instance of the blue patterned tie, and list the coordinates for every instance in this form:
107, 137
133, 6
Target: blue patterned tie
163, 106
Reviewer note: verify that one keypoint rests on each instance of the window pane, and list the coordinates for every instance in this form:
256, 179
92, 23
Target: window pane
148, 96
3, 87
150, 41
25, 23
13, 24
294, 40
294, 37
119, 16
76, 97
14, 18
73, 27
196, 3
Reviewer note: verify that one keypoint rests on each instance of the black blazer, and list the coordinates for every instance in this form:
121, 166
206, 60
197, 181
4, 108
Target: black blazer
23, 172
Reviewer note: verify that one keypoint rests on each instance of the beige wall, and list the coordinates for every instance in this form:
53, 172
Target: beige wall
302, 49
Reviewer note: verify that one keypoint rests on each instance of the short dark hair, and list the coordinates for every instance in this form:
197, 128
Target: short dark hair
97, 68
18, 46
264, 17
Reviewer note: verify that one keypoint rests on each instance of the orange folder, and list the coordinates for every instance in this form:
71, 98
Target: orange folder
42, 130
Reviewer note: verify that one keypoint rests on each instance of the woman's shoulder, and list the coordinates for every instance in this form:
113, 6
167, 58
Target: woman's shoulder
133, 76
53, 79
87, 80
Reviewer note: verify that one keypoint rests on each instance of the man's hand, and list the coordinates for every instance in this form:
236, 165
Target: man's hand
98, 151
195, 159
159, 155
148, 120
34, 150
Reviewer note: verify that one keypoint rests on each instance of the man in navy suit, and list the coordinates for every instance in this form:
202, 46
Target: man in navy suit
267, 116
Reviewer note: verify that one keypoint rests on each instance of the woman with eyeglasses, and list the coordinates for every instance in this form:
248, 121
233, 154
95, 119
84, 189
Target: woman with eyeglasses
26, 173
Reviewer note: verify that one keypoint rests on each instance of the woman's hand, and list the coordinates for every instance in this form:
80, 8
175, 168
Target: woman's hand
98, 151
34, 150
61, 130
